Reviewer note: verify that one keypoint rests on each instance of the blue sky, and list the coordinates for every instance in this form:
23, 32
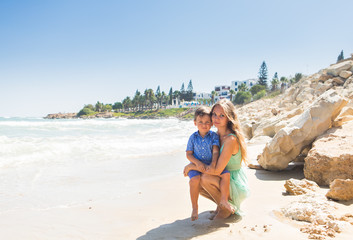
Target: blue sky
56, 56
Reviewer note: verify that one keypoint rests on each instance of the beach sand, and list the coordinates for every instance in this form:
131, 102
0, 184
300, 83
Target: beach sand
160, 209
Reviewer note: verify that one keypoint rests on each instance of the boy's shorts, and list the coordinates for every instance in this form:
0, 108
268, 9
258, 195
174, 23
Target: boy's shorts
193, 173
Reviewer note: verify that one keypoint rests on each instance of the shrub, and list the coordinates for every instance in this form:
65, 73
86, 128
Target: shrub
85, 111
257, 88
242, 97
260, 94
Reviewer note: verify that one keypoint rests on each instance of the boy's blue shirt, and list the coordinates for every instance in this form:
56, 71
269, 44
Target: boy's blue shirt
202, 147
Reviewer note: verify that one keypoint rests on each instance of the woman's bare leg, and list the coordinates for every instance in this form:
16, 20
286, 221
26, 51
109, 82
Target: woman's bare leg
224, 188
205, 194
212, 185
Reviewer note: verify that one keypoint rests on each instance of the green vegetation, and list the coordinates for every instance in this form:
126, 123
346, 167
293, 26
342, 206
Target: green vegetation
160, 113
263, 74
242, 97
340, 57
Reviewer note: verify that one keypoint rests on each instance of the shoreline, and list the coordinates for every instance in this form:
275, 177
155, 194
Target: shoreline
184, 114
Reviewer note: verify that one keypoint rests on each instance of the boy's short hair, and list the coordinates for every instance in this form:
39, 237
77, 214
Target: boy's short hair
202, 111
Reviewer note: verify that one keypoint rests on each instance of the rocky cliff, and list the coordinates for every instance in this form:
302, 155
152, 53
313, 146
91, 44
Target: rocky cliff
310, 119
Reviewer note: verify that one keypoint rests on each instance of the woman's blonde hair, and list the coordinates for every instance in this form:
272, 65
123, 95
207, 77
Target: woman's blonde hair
233, 125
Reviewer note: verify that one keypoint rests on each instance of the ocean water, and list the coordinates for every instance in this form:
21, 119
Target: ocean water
59, 163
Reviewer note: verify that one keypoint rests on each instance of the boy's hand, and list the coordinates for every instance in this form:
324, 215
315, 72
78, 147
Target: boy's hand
201, 166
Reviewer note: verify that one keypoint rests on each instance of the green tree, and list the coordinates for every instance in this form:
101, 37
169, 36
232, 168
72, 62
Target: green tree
263, 74
136, 100
274, 82
257, 88
150, 97
99, 106
340, 57
213, 94
85, 111
260, 94
284, 82
158, 97
190, 87
176, 95
182, 89
170, 96
231, 93
127, 103
108, 107
117, 106
242, 97
89, 106
243, 87
298, 76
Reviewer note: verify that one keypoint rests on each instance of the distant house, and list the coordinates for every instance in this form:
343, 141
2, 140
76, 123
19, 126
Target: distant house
198, 96
249, 83
222, 92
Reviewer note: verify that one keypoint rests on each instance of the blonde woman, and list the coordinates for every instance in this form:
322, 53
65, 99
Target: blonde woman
232, 154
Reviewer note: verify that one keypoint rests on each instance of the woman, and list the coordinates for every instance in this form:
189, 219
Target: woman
233, 154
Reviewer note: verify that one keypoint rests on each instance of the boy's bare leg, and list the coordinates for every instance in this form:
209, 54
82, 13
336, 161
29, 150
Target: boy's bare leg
224, 187
194, 195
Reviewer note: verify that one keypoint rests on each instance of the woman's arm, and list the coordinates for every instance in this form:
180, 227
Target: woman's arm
231, 146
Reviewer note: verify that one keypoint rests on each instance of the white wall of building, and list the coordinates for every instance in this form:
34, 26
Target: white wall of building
249, 83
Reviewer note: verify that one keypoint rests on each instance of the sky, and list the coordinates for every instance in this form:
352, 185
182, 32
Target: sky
57, 56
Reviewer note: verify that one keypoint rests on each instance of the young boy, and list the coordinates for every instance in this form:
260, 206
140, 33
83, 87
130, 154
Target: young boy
203, 151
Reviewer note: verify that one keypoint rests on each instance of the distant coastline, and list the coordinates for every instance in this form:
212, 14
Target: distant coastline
181, 113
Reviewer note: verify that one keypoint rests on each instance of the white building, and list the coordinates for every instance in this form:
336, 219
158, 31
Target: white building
198, 96
249, 83
222, 92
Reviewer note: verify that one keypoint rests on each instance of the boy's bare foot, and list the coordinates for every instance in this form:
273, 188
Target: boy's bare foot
226, 206
194, 214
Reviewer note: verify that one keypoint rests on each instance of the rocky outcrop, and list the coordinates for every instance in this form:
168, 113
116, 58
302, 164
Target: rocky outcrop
331, 156
318, 212
290, 140
61, 116
341, 190
299, 187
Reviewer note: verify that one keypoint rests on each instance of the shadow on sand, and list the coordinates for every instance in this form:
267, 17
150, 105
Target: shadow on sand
294, 170
186, 229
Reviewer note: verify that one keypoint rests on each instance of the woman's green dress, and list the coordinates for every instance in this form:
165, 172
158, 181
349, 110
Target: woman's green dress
239, 189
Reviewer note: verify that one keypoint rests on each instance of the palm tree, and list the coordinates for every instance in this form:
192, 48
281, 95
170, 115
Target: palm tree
283, 81
231, 92
243, 87
163, 96
213, 94
150, 97
127, 103
176, 95
136, 100
274, 84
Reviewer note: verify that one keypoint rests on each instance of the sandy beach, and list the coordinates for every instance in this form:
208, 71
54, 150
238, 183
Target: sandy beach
160, 209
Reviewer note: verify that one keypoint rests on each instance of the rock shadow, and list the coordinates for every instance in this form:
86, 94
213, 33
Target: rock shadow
186, 229
294, 170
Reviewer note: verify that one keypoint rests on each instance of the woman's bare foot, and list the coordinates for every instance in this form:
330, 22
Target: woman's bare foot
213, 213
224, 204
194, 214
222, 214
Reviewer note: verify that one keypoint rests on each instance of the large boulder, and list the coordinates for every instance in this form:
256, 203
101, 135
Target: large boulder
331, 156
290, 140
335, 69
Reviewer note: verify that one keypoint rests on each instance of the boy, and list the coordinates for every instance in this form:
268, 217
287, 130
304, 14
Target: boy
203, 151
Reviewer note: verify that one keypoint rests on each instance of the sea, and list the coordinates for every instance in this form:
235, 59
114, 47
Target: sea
48, 163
